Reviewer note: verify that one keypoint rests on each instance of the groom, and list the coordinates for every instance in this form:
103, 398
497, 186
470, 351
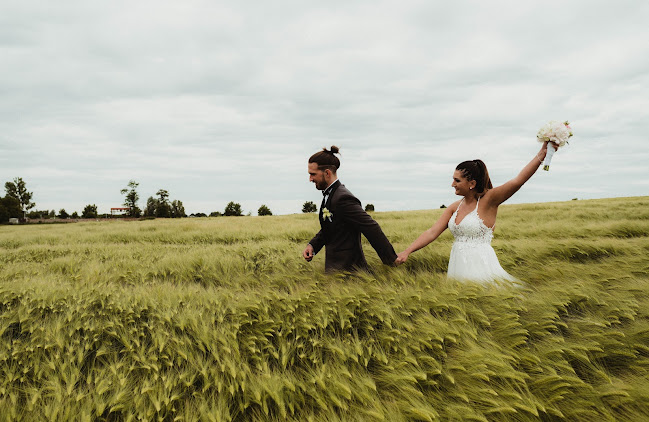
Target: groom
342, 220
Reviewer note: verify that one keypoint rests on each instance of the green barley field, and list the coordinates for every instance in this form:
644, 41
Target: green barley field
220, 319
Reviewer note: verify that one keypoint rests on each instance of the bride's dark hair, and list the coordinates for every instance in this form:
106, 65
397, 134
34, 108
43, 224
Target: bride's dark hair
326, 159
476, 170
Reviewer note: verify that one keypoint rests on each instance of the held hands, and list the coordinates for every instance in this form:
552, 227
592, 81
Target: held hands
401, 258
308, 253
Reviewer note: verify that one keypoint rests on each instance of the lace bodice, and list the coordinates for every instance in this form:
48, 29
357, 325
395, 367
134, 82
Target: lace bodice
471, 229
472, 257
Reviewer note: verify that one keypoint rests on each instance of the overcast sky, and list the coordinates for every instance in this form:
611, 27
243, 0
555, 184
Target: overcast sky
217, 101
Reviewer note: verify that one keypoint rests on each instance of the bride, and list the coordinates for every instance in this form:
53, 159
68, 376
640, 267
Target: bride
472, 220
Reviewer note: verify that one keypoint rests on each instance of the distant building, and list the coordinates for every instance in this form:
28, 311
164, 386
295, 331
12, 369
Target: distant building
119, 211
14, 221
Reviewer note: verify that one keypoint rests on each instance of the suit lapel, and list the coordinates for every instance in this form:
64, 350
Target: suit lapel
335, 186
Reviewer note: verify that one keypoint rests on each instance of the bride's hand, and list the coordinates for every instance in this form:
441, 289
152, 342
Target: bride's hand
544, 150
401, 258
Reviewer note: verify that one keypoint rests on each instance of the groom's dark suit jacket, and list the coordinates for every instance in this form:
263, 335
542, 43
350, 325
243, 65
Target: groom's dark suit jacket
341, 233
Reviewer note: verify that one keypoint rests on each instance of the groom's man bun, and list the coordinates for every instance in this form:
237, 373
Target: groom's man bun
326, 159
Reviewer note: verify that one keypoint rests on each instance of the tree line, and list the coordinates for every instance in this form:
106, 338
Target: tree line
18, 203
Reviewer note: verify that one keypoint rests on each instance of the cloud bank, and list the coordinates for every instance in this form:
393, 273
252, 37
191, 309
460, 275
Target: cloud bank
221, 101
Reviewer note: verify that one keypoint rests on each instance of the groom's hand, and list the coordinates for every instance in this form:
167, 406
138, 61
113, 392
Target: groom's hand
308, 253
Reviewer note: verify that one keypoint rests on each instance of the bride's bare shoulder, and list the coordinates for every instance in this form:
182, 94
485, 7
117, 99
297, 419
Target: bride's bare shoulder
454, 205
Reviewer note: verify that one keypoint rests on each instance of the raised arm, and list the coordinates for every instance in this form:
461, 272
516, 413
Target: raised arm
500, 194
429, 235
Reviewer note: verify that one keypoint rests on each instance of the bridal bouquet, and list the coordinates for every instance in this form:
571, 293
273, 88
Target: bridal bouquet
556, 132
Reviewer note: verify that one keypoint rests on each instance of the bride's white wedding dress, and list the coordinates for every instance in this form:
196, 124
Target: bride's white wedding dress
472, 257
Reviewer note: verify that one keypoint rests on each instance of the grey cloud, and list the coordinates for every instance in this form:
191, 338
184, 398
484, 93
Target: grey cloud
213, 100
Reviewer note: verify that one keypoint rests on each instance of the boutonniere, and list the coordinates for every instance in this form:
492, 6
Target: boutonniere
326, 214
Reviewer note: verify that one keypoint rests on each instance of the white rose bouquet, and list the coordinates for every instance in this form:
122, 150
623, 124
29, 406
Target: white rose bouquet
556, 132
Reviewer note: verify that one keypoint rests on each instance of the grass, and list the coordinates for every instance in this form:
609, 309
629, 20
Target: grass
221, 319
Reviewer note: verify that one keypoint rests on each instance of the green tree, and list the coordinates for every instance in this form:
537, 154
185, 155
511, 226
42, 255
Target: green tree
18, 190
164, 209
369, 207
177, 209
63, 214
35, 214
90, 211
131, 198
233, 209
264, 210
75, 215
9, 208
216, 214
52, 214
151, 207
309, 207
163, 194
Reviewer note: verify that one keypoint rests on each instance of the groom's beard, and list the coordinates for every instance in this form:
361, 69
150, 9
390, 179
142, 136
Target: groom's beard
321, 185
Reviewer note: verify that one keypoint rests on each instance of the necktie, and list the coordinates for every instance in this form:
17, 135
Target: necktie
325, 195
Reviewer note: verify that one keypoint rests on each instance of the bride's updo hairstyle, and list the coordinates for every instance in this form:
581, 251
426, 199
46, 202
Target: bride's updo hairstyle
476, 170
326, 159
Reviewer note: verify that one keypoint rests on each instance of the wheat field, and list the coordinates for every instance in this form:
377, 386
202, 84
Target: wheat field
220, 319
